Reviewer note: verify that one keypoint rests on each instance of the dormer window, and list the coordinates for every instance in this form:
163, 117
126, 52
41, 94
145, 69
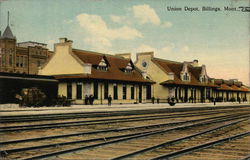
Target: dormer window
203, 75
129, 68
102, 65
186, 77
203, 78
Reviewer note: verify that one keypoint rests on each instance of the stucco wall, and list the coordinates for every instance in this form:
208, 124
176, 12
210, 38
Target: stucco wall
101, 99
62, 61
154, 73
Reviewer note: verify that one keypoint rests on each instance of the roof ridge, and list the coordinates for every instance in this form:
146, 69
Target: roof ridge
98, 53
74, 49
166, 60
21, 47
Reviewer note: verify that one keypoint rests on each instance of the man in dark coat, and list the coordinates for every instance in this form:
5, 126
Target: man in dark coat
91, 99
109, 100
86, 100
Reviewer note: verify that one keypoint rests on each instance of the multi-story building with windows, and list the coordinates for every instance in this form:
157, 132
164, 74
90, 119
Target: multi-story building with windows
188, 81
82, 73
24, 57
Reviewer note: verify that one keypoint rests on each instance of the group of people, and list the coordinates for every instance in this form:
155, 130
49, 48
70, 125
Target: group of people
157, 100
89, 99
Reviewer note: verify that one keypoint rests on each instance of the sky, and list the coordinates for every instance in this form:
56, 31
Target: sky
218, 39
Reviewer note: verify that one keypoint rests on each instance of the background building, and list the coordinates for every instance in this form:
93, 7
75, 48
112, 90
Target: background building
24, 57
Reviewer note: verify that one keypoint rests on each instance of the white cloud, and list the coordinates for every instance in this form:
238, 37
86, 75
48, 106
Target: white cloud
116, 19
68, 21
101, 41
167, 49
145, 48
145, 14
185, 48
167, 24
97, 29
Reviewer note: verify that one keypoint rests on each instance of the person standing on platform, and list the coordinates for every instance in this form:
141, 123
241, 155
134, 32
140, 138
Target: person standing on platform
153, 100
109, 100
91, 99
86, 100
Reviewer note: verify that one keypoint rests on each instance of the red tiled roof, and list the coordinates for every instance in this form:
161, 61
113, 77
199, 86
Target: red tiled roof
114, 72
172, 82
229, 85
218, 81
176, 67
225, 87
235, 88
244, 89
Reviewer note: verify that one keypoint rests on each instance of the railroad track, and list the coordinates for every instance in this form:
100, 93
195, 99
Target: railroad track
188, 144
107, 121
111, 151
78, 130
63, 116
233, 147
111, 139
98, 132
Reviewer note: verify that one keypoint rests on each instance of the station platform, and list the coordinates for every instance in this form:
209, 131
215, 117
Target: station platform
14, 109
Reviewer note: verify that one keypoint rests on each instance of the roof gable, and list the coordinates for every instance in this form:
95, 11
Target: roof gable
115, 66
177, 68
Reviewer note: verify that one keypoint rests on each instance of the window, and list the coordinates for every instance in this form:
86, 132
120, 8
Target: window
78, 90
148, 90
124, 92
69, 91
106, 90
208, 93
3, 60
10, 60
186, 77
25, 63
21, 61
203, 78
115, 91
129, 68
132, 92
180, 93
102, 65
96, 90
38, 63
17, 61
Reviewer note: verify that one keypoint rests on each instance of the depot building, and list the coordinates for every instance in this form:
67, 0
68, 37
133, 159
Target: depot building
83, 73
188, 81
